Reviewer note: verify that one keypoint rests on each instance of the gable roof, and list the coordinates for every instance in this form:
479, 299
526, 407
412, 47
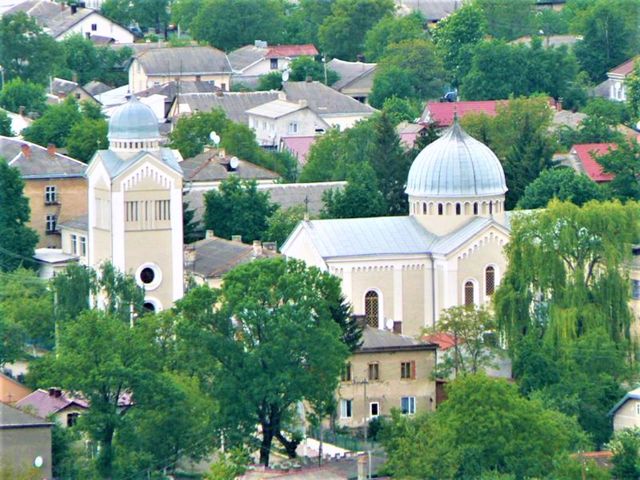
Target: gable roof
233, 104
208, 166
442, 113
116, 165
38, 163
275, 109
586, 153
184, 61
632, 395
623, 69
243, 57
46, 403
377, 340
323, 100
349, 71
62, 87
11, 417
279, 51
433, 10
95, 87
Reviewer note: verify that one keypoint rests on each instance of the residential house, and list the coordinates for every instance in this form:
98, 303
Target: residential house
356, 78
298, 146
583, 159
388, 371
54, 184
616, 81
626, 413
94, 87
432, 10
73, 235
12, 390
281, 118
250, 62
207, 260
157, 66
26, 443
60, 89
233, 104
18, 122
61, 20
443, 113
54, 403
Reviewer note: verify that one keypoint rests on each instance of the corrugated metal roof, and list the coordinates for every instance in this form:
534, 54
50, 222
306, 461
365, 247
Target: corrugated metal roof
243, 57
374, 338
233, 104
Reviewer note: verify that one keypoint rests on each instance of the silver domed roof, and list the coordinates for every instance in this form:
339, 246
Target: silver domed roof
133, 121
456, 165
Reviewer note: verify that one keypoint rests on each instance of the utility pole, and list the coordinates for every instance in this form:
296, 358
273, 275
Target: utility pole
364, 384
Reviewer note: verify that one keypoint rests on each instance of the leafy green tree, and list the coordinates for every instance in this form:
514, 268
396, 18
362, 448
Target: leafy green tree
272, 342
565, 184
270, 81
114, 65
55, 125
86, 137
392, 82
5, 124
80, 59
303, 19
484, 427
17, 93
12, 340
145, 13
342, 34
613, 112
191, 133
360, 198
507, 23
237, 208
626, 459
456, 36
304, 67
18, 239
402, 109
392, 29
624, 163
282, 223
73, 289
229, 24
183, 12
25, 50
632, 85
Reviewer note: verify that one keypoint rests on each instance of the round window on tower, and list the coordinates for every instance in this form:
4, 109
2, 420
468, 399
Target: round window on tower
149, 276
149, 307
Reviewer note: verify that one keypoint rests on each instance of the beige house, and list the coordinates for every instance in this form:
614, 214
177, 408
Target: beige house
157, 66
388, 371
54, 184
54, 403
11, 390
400, 272
135, 206
626, 413
356, 78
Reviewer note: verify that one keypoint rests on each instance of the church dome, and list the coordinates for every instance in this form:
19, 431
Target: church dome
133, 121
456, 165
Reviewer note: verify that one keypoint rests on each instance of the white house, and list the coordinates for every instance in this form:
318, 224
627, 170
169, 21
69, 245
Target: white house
616, 80
626, 413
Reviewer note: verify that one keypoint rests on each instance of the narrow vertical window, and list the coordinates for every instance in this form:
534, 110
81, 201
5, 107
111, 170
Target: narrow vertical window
490, 280
468, 293
372, 308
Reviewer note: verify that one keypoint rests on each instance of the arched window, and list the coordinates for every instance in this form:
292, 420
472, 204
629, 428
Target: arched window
424, 208
468, 293
372, 308
489, 280
475, 208
440, 209
458, 209
490, 208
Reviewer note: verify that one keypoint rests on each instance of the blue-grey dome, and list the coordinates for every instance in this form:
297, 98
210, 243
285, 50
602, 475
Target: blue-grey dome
456, 165
133, 121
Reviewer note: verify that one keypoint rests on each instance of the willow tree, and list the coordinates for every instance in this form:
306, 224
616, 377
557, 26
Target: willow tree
566, 272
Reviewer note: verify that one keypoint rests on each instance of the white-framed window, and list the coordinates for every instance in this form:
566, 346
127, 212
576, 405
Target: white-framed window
83, 246
74, 244
346, 408
50, 194
374, 409
148, 276
408, 370
635, 289
408, 405
293, 127
637, 408
50, 222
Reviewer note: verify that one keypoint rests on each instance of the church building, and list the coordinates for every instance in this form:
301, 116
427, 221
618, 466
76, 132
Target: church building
135, 206
401, 272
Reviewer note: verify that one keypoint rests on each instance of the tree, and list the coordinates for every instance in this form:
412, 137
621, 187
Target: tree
273, 343
402, 109
18, 239
626, 460
565, 184
624, 163
86, 137
305, 67
632, 85
229, 24
507, 23
484, 426
303, 20
5, 124
392, 29
25, 50
282, 223
237, 208
470, 329
146, 13
55, 125
270, 81
80, 59
342, 34
392, 82
360, 198
17, 93
191, 133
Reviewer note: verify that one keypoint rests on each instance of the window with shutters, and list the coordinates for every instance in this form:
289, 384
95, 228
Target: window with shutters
346, 373
469, 293
372, 308
490, 280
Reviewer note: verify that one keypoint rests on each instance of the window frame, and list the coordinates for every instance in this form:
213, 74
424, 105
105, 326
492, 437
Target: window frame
345, 375
51, 221
411, 405
50, 195
371, 414
408, 370
346, 408
373, 371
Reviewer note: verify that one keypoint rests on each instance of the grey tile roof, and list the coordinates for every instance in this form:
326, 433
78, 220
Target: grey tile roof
39, 164
349, 71
77, 223
115, 165
433, 10
62, 87
243, 57
376, 339
170, 89
11, 417
324, 100
275, 109
233, 104
184, 60
96, 88
216, 256
210, 167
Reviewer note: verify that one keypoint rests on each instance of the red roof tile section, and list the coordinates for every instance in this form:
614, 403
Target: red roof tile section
442, 112
45, 403
585, 153
625, 68
299, 146
444, 340
292, 51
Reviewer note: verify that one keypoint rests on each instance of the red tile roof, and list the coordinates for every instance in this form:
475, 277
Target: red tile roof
299, 146
585, 154
45, 404
625, 68
444, 340
292, 51
442, 112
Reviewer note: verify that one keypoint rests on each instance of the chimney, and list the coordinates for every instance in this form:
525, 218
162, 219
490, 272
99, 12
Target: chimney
62, 6
308, 79
257, 248
209, 234
51, 149
74, 77
270, 246
236, 238
189, 256
219, 93
57, 392
26, 150
74, 9
52, 392
21, 110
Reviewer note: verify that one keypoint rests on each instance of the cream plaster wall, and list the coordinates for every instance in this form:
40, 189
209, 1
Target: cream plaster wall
269, 131
627, 415
104, 28
139, 80
342, 122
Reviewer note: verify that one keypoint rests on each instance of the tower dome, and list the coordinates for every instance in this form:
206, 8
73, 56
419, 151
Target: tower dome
456, 165
133, 127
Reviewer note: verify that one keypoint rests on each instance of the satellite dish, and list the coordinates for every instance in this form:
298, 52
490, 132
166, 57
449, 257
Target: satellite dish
234, 162
215, 138
285, 75
389, 322
38, 462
